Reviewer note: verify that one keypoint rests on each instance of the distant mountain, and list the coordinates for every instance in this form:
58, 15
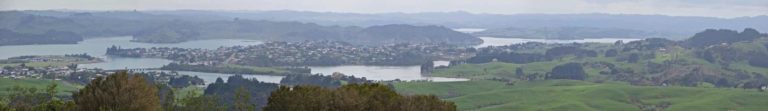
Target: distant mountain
569, 33
408, 33
676, 26
154, 28
332, 26
295, 31
8, 37
83, 24
679, 26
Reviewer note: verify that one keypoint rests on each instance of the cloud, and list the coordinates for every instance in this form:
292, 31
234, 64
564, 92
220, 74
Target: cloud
712, 8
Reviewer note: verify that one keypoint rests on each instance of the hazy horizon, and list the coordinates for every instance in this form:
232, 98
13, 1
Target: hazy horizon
701, 8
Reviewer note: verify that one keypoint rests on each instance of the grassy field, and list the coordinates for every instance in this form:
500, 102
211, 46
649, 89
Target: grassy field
569, 95
184, 92
500, 69
507, 70
64, 89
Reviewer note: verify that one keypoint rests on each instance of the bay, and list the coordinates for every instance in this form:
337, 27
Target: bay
97, 47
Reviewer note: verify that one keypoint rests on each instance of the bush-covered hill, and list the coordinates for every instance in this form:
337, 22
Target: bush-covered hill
158, 28
719, 60
8, 37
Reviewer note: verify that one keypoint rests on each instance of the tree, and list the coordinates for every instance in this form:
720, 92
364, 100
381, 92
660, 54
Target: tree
53, 103
4, 108
167, 97
759, 62
611, 53
714, 37
519, 72
427, 67
633, 58
332, 81
242, 100
30, 99
72, 67
194, 101
568, 71
118, 92
22, 98
227, 93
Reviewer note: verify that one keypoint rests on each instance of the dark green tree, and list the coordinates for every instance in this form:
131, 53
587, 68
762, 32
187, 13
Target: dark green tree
242, 100
30, 99
167, 97
351, 97
118, 92
568, 71
194, 101
519, 73
633, 58
611, 53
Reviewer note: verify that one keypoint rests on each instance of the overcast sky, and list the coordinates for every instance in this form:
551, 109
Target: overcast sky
711, 8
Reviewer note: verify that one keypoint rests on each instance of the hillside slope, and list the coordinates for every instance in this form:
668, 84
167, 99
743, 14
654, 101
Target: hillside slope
559, 95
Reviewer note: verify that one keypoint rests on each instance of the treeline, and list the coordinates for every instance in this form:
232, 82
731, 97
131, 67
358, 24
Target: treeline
179, 31
729, 46
568, 33
240, 92
330, 81
232, 70
485, 55
568, 71
172, 79
185, 81
132, 92
411, 57
510, 57
718, 36
9, 37
353, 97
83, 55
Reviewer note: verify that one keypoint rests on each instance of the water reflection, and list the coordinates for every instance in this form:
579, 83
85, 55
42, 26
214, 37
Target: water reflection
469, 30
211, 77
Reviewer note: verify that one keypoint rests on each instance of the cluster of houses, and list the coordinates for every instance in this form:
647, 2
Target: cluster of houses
298, 53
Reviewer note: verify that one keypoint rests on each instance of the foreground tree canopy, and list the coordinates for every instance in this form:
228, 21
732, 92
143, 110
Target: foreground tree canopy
118, 92
352, 97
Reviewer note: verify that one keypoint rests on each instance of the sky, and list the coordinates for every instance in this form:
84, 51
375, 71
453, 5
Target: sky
708, 8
